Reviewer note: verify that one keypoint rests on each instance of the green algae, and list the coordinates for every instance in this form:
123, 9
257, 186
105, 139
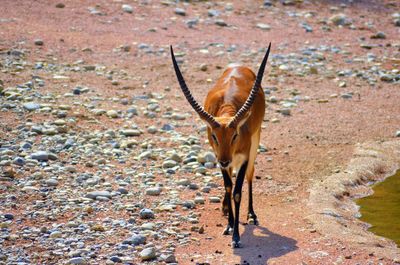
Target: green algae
382, 208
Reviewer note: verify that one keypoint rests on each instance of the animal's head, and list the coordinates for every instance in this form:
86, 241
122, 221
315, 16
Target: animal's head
223, 132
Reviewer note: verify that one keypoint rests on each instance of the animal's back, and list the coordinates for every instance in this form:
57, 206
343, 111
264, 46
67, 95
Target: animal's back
231, 92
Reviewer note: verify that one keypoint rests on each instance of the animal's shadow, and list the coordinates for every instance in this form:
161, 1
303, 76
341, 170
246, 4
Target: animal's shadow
260, 245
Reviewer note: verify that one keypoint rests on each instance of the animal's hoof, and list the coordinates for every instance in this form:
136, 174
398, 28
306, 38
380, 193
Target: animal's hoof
236, 244
227, 231
253, 221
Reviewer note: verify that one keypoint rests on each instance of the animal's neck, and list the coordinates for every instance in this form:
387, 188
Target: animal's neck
226, 110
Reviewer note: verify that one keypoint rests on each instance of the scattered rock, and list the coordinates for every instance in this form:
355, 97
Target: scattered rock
39, 42
146, 214
127, 8
263, 26
148, 254
180, 11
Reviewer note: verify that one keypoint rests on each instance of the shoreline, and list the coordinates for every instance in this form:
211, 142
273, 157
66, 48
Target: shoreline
331, 201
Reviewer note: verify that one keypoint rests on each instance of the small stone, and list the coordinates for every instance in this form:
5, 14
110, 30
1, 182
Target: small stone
19, 161
214, 199
146, 213
221, 23
98, 228
152, 129
183, 182
206, 157
180, 11
130, 132
168, 258
339, 20
31, 106
51, 182
285, 111
56, 234
77, 261
148, 254
9, 216
178, 116
40, 156
347, 95
135, 240
116, 259
112, 114
203, 67
387, 78
199, 200
39, 42
127, 8
263, 26
101, 193
379, 35
169, 164
153, 191
398, 133
60, 5
288, 2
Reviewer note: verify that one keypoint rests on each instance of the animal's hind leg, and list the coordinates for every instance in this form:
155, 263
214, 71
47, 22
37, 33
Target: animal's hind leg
251, 216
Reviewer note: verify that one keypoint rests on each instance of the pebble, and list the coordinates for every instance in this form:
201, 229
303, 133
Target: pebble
131, 132
31, 106
221, 23
168, 258
153, 191
112, 114
146, 213
60, 5
398, 133
52, 182
169, 164
263, 26
127, 8
39, 42
19, 161
136, 240
379, 35
214, 199
43, 156
339, 20
56, 234
148, 254
180, 11
100, 193
77, 261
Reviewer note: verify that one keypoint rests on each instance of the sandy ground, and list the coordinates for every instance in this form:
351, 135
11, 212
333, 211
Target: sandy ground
315, 141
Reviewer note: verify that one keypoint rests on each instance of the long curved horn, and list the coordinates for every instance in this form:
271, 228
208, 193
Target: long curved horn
253, 93
199, 109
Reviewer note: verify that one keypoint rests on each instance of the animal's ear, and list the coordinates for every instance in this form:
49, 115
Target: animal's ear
243, 120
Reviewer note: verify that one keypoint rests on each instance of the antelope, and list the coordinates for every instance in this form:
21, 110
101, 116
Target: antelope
233, 111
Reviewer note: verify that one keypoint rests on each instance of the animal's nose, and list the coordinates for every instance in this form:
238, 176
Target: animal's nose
224, 163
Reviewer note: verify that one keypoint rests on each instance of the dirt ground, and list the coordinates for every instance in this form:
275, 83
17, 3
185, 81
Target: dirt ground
315, 141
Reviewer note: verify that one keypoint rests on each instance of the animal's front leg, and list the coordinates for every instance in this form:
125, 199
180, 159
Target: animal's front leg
228, 201
237, 196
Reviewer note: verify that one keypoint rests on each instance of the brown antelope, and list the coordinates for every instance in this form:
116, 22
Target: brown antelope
233, 111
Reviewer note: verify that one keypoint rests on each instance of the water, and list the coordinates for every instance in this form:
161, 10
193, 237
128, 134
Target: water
382, 208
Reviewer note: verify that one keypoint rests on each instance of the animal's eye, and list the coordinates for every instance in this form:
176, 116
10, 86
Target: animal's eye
234, 137
214, 138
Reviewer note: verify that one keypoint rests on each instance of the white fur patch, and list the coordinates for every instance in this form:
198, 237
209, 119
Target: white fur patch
237, 162
231, 65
